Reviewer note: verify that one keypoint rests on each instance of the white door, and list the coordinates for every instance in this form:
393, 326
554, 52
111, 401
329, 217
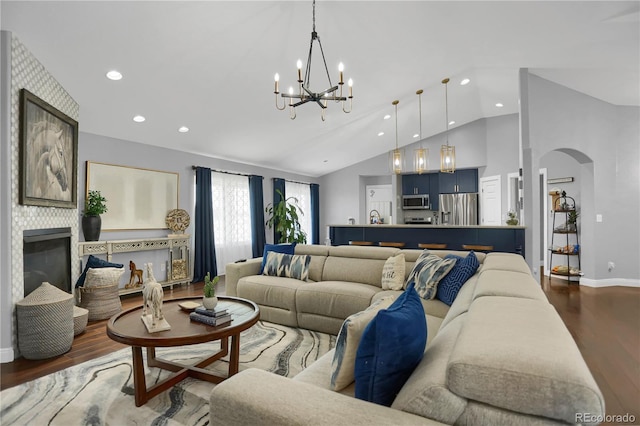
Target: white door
379, 199
490, 201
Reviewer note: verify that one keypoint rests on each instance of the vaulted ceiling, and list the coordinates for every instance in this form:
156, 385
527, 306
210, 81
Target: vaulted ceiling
209, 65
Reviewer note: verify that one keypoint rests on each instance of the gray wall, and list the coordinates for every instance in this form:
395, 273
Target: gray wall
603, 138
126, 153
490, 144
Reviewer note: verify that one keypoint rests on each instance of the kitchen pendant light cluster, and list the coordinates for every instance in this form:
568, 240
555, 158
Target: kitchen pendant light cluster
304, 93
421, 154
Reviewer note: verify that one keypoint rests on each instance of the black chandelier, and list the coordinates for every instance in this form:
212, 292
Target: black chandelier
305, 94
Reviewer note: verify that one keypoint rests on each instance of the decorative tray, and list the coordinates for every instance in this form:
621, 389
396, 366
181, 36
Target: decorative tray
189, 306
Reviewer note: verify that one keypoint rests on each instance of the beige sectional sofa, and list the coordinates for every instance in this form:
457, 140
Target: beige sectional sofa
499, 355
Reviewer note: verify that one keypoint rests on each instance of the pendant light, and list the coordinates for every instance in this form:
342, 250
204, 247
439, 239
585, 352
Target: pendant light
421, 154
447, 152
396, 157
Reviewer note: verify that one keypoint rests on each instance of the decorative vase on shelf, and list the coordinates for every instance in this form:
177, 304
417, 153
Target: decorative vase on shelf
91, 226
210, 302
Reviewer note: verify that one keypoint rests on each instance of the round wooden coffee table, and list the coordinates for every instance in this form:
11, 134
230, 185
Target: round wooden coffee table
127, 327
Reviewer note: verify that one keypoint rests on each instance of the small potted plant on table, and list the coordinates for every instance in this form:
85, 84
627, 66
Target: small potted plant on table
209, 301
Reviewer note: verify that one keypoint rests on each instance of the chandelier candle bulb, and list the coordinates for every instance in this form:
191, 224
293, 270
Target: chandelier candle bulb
277, 79
350, 88
341, 69
299, 65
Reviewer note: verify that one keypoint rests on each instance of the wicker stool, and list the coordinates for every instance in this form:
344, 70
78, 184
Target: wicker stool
45, 322
102, 301
80, 318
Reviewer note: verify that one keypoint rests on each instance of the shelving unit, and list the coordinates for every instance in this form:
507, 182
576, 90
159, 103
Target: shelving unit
565, 231
178, 268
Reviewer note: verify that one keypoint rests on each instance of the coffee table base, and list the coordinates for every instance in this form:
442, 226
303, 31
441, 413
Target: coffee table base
197, 371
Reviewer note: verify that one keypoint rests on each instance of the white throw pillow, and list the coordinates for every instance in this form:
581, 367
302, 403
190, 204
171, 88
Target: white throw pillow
100, 277
344, 358
393, 272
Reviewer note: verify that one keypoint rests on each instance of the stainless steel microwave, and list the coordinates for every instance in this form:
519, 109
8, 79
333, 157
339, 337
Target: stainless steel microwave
415, 202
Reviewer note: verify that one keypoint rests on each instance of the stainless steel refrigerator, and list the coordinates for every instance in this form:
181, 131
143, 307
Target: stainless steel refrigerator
459, 209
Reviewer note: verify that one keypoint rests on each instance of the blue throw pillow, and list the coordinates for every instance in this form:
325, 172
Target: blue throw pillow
95, 262
464, 269
278, 248
391, 347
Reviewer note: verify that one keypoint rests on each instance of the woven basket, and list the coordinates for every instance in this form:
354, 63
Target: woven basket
80, 318
102, 302
45, 322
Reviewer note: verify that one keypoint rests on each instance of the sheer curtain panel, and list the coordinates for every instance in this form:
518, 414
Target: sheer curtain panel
232, 218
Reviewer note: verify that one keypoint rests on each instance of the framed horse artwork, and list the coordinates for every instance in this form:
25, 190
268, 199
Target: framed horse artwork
48, 154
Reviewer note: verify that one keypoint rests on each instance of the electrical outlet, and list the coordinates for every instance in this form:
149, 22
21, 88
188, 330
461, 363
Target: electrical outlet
611, 266
162, 267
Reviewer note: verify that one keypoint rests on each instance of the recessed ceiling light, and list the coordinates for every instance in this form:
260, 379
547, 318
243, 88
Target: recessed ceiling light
138, 119
464, 82
183, 129
381, 133
416, 135
325, 161
114, 75
499, 105
386, 117
451, 123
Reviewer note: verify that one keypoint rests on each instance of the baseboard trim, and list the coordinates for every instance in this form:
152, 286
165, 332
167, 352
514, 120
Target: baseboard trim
610, 282
6, 355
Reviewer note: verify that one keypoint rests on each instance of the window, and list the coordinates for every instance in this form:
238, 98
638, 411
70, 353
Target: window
231, 218
302, 192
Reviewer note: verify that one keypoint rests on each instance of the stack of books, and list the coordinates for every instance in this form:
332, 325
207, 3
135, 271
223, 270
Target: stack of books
210, 317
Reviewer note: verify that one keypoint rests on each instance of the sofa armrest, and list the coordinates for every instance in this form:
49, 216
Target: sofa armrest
259, 397
235, 271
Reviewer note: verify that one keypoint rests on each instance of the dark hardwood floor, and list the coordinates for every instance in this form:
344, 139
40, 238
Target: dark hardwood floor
604, 322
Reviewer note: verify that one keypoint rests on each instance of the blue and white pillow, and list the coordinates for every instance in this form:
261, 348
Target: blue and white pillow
427, 273
463, 270
287, 265
344, 358
278, 248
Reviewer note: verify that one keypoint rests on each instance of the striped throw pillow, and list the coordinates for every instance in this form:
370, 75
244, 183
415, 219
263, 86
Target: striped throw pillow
344, 358
427, 273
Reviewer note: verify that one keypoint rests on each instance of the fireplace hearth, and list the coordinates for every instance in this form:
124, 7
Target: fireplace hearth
47, 257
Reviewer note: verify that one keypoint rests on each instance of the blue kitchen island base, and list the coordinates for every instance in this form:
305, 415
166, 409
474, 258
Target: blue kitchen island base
507, 239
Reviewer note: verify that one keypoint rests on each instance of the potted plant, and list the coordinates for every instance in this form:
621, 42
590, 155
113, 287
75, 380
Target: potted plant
572, 218
209, 301
284, 217
94, 206
512, 218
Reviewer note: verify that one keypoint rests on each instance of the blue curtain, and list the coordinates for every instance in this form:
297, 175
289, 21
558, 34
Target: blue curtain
278, 184
205, 251
315, 213
257, 215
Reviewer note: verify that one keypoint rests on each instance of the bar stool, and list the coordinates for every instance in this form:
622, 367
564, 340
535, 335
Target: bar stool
390, 244
477, 247
360, 243
432, 246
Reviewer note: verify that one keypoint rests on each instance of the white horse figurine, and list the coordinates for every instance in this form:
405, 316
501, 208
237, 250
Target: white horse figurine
152, 295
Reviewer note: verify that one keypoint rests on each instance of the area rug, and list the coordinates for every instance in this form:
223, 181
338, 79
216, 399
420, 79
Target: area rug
100, 392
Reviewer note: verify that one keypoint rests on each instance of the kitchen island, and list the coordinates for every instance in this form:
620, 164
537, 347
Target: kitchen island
508, 239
